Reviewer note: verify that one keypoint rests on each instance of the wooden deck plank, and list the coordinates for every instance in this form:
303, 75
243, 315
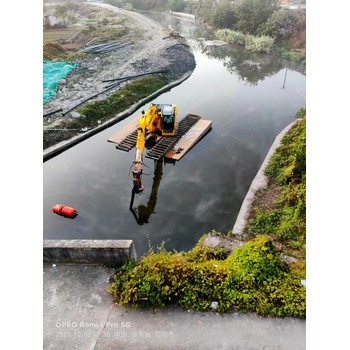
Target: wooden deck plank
127, 129
188, 140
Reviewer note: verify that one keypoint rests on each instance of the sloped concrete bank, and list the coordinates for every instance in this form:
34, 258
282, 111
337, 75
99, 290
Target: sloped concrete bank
259, 182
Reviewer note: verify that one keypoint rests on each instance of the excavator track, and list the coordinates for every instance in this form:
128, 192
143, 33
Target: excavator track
166, 143
128, 142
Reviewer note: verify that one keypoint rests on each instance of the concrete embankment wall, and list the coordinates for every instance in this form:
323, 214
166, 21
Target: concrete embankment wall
260, 181
88, 251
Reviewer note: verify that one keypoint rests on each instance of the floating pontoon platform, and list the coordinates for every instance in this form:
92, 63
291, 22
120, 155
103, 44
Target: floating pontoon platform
190, 130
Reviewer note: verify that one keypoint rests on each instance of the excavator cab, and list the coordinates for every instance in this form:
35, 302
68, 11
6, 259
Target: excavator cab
168, 120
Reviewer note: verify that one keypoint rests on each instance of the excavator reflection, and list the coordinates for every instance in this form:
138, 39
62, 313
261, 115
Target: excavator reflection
143, 212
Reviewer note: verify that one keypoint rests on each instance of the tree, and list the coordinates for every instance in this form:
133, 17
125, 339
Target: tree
148, 4
177, 5
253, 13
224, 16
280, 25
61, 11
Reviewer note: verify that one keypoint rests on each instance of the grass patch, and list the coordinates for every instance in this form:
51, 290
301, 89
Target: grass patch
286, 220
124, 98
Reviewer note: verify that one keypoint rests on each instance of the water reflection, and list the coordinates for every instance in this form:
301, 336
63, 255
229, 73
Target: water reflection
250, 67
143, 212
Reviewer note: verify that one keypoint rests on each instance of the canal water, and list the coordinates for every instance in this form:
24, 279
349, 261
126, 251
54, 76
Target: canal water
249, 97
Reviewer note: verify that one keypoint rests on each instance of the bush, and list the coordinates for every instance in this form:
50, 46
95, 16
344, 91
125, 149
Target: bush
223, 16
202, 253
281, 298
280, 25
256, 262
231, 36
259, 43
250, 42
177, 5
155, 281
251, 14
253, 278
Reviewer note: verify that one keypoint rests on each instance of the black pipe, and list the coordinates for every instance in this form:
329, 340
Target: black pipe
114, 48
53, 112
137, 75
91, 97
118, 83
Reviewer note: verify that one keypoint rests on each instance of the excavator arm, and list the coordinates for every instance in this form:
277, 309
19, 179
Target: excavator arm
148, 126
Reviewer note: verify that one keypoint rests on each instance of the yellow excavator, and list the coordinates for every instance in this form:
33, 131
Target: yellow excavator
166, 139
158, 121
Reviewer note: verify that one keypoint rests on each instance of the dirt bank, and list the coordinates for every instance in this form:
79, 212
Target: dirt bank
151, 48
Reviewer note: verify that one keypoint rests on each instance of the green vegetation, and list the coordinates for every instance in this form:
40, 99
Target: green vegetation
280, 25
261, 22
282, 32
286, 221
224, 16
252, 14
121, 100
252, 43
253, 278
177, 5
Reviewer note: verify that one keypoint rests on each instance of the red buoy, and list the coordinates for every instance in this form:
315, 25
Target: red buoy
64, 210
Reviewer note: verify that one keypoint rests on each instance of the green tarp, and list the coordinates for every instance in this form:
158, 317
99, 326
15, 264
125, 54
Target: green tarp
53, 72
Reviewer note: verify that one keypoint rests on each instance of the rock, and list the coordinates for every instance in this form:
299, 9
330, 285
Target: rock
214, 305
75, 114
288, 259
214, 240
